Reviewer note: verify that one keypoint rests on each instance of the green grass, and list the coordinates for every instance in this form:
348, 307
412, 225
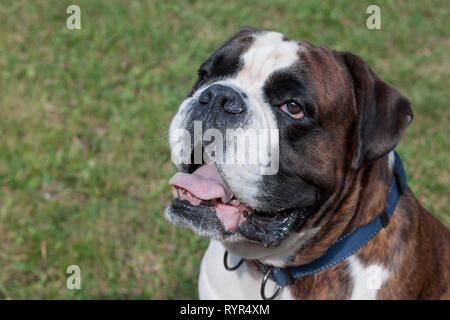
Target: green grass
84, 158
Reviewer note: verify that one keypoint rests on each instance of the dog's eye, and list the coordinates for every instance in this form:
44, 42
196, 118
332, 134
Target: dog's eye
293, 109
203, 75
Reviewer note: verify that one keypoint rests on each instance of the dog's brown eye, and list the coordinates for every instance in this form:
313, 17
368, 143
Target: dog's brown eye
203, 75
293, 109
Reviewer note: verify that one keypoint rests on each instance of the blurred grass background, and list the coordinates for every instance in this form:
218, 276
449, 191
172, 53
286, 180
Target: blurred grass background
84, 158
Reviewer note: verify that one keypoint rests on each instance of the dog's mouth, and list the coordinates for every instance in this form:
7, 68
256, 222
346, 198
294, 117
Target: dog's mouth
204, 192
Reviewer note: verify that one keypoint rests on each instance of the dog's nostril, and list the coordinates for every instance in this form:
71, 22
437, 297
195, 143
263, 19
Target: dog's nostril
223, 97
232, 106
205, 97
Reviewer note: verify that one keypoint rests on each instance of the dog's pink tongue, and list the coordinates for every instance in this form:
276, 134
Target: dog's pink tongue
230, 216
205, 183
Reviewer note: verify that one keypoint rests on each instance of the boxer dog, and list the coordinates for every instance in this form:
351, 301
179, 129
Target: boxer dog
338, 124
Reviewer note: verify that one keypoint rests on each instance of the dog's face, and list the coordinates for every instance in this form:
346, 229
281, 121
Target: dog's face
318, 114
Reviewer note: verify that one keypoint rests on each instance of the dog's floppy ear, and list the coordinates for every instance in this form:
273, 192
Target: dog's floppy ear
383, 113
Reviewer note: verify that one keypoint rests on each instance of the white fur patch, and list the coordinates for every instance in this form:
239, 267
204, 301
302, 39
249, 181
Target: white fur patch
177, 124
244, 283
366, 280
391, 160
267, 54
215, 282
274, 256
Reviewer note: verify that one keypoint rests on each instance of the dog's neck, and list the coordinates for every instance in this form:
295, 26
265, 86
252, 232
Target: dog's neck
356, 202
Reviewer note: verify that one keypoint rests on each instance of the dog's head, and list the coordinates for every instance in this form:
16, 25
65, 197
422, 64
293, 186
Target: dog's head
298, 116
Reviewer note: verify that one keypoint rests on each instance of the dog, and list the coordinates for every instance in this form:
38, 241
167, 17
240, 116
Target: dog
335, 218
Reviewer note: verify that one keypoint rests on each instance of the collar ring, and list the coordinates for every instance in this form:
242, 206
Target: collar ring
263, 287
225, 263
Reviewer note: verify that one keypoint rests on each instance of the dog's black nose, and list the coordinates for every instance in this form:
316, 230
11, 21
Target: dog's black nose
223, 97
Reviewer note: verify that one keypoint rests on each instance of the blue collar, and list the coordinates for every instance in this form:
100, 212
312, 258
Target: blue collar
345, 246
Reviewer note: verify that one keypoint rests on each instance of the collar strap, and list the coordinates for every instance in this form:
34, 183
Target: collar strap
347, 244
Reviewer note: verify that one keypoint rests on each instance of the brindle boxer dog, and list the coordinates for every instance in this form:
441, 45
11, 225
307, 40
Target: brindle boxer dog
338, 125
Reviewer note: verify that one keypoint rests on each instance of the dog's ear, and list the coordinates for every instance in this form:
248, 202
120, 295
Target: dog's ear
383, 113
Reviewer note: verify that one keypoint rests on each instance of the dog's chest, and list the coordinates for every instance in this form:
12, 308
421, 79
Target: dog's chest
244, 283
215, 282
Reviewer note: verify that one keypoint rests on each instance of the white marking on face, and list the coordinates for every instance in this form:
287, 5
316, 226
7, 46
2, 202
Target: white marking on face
179, 122
176, 124
366, 280
267, 54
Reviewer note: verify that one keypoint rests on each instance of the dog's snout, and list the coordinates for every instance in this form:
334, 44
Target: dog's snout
220, 96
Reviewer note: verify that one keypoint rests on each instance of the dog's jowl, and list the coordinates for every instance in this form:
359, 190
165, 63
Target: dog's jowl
320, 209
